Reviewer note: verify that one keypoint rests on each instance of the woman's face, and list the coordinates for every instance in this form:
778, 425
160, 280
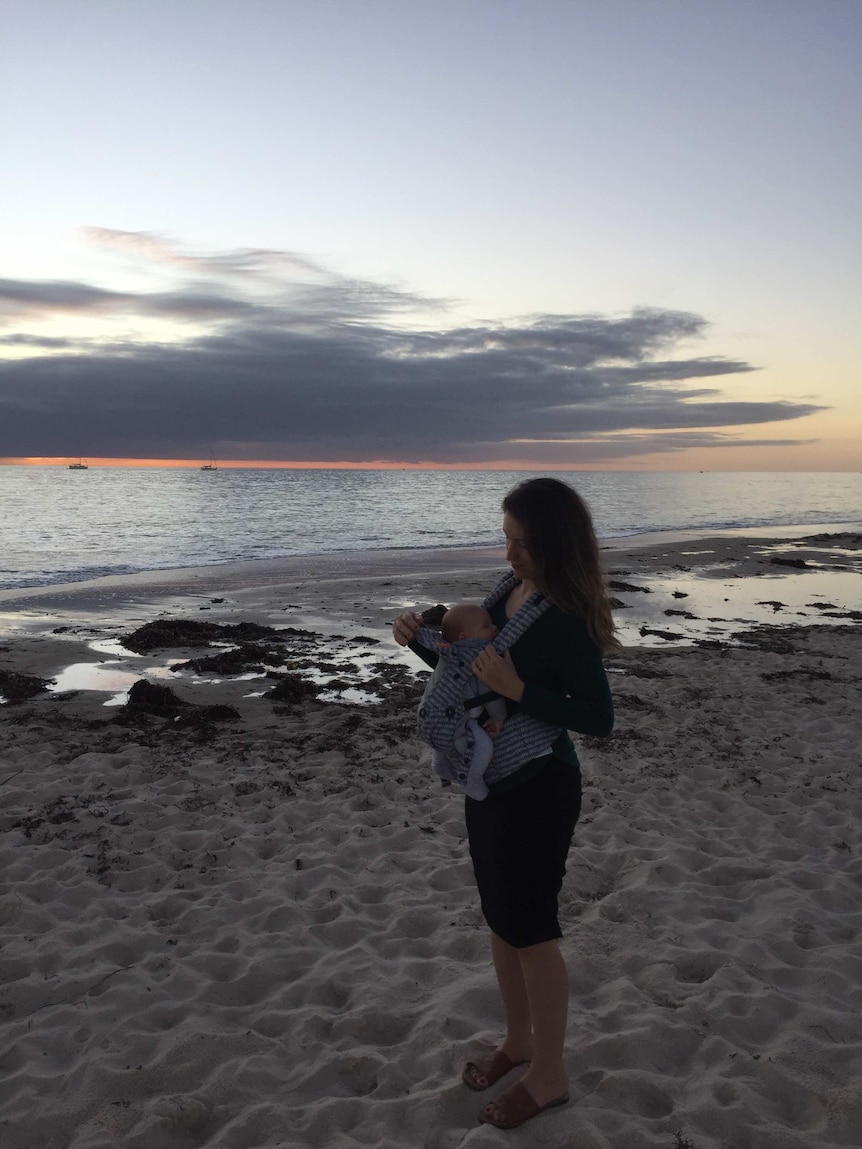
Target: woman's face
517, 555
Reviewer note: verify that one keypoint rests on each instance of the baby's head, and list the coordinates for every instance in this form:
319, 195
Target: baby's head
467, 621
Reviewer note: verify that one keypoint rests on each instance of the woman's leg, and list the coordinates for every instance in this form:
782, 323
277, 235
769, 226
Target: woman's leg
518, 1042
534, 986
519, 844
546, 983
546, 980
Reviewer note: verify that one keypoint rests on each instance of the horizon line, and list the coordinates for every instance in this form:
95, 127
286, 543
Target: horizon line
278, 464
106, 462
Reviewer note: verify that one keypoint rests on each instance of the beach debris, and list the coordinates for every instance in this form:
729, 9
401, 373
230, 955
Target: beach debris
680, 594
56, 812
627, 587
618, 604
799, 564
153, 699
669, 635
19, 687
774, 603
147, 699
171, 632
773, 639
337, 685
167, 632
849, 540
433, 615
251, 631
292, 688
682, 1142
680, 613
812, 673
242, 659
832, 610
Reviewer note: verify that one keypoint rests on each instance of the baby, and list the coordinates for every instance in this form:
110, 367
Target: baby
458, 715
466, 620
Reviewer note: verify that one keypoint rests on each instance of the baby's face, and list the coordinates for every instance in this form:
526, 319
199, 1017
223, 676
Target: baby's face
482, 628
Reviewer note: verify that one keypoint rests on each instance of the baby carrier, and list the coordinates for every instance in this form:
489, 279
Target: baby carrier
453, 695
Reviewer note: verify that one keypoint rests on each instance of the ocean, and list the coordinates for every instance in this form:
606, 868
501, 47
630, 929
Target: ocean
61, 526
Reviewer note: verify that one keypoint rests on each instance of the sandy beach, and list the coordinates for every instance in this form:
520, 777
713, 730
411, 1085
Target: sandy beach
236, 909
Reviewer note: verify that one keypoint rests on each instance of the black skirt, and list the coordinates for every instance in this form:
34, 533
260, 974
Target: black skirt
519, 840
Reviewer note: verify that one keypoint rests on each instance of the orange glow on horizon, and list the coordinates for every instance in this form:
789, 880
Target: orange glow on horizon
842, 456
303, 465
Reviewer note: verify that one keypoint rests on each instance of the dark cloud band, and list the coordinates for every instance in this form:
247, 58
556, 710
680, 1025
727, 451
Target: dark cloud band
286, 361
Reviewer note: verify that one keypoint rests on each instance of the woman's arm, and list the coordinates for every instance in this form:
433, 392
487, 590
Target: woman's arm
576, 694
404, 630
431, 657
586, 707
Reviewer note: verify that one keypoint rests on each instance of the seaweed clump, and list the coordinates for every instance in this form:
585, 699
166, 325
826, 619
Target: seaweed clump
292, 688
19, 687
168, 632
149, 700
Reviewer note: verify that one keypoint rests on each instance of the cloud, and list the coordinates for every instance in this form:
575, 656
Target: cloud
43, 341
274, 357
161, 249
20, 299
292, 283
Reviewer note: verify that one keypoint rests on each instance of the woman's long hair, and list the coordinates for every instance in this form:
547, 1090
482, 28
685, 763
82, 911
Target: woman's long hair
561, 540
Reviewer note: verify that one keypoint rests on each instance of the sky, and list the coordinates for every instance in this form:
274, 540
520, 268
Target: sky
541, 234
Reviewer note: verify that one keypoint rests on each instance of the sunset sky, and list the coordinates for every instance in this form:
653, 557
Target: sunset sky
539, 233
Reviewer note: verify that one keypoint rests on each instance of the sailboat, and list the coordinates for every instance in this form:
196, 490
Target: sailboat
79, 466
212, 465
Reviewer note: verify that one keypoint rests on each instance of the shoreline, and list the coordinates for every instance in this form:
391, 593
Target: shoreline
255, 572
683, 586
327, 619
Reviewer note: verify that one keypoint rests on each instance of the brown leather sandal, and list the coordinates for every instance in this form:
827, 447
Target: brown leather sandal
499, 1065
516, 1106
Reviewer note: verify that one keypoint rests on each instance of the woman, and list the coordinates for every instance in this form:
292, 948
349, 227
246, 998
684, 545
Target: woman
520, 834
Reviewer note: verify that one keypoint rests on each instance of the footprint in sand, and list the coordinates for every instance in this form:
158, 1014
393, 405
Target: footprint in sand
182, 1111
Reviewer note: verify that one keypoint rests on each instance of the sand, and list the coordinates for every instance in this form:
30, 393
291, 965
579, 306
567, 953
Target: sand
260, 929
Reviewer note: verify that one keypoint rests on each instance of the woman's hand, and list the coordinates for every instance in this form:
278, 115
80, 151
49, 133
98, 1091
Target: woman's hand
498, 673
405, 626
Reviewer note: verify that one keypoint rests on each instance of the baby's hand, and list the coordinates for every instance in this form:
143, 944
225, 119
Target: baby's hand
492, 727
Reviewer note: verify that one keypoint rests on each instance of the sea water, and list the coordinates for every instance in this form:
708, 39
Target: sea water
59, 526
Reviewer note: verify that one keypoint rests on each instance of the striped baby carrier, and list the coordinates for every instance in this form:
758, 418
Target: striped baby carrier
453, 691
